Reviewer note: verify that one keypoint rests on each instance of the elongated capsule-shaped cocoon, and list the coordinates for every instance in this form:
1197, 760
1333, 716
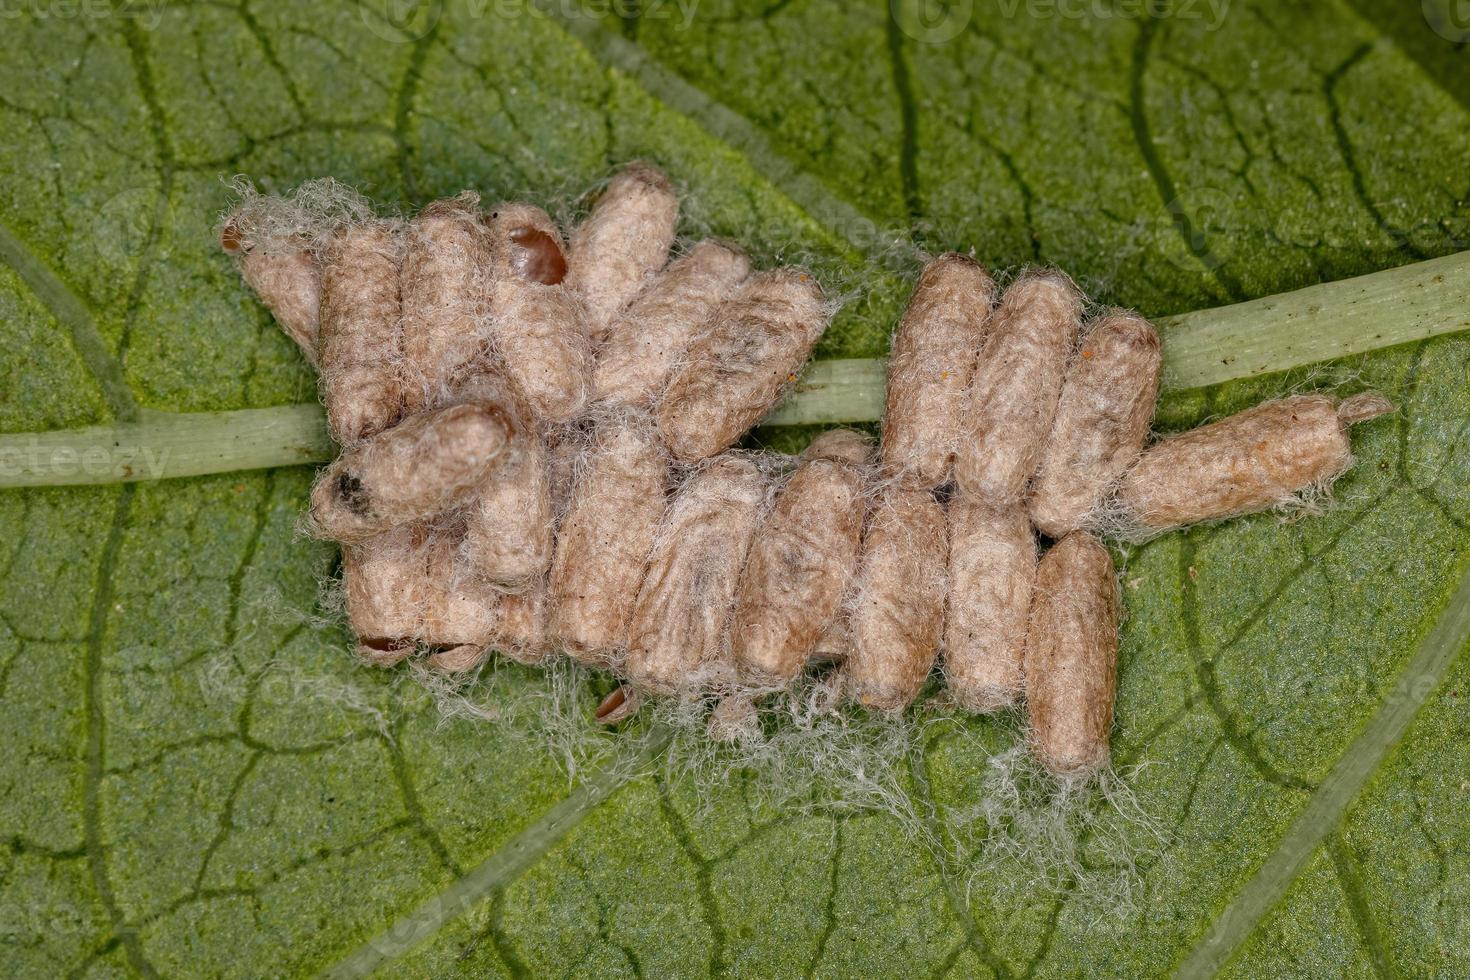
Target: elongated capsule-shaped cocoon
605, 539
446, 269
461, 618
1018, 378
898, 613
933, 357
360, 339
510, 526
1101, 422
1071, 656
426, 465
734, 371
992, 567
285, 275
624, 241
1254, 460
537, 325
801, 562
651, 335
521, 621
384, 587
508, 529
678, 636
404, 587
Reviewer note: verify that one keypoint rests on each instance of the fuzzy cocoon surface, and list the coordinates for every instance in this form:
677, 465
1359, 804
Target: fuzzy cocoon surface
537, 460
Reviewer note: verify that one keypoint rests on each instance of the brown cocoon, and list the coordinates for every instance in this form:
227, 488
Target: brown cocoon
383, 583
605, 539
801, 561
1252, 461
1101, 422
360, 340
651, 335
461, 618
520, 627
446, 262
898, 613
735, 370
1013, 395
285, 276
992, 566
404, 587
508, 529
624, 240
428, 464
537, 326
933, 356
1071, 656
677, 639
841, 446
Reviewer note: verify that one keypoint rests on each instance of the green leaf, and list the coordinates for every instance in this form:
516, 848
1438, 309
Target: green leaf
199, 781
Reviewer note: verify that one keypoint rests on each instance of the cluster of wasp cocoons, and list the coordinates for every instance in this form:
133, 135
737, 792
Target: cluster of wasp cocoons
538, 460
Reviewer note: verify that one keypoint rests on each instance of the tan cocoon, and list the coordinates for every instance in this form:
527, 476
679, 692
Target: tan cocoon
605, 539
651, 335
992, 566
508, 529
537, 328
1102, 420
360, 339
1018, 378
733, 373
801, 561
898, 613
288, 280
624, 241
678, 636
934, 353
428, 464
1071, 656
1252, 461
445, 275
403, 587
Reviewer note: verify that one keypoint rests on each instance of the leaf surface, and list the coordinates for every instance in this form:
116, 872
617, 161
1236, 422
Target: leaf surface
200, 781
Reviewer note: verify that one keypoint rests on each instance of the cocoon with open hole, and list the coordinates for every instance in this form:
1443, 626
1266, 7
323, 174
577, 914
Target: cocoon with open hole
428, 464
